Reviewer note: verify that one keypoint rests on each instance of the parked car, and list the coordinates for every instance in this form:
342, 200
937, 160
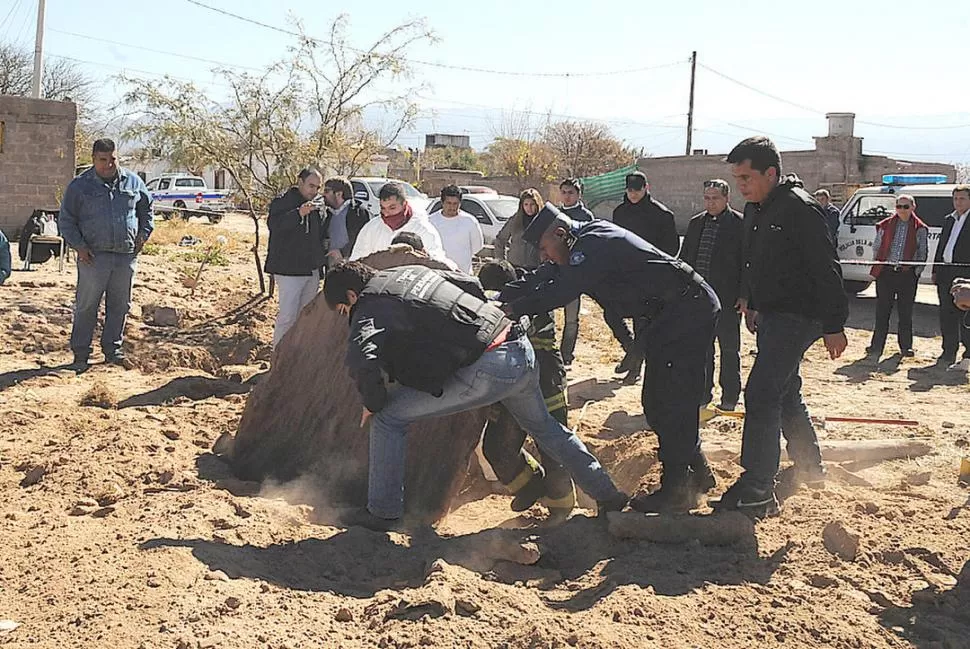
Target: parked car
476, 189
367, 189
491, 210
188, 195
869, 205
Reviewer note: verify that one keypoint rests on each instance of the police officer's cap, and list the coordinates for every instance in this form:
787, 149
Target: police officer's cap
541, 222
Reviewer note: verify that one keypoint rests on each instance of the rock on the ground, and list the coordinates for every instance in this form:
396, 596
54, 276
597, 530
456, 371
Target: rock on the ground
840, 541
466, 606
344, 615
166, 316
34, 475
918, 479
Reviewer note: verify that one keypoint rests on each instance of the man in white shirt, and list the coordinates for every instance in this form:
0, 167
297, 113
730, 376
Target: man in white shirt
461, 235
397, 216
953, 248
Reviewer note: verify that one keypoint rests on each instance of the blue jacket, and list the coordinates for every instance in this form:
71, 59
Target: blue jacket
5, 264
106, 218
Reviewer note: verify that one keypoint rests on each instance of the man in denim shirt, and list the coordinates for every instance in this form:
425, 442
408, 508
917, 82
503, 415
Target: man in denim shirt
106, 216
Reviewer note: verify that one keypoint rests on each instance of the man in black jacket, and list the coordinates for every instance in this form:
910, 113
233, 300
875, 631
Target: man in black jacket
296, 251
792, 296
713, 247
346, 217
953, 248
646, 217
448, 350
650, 220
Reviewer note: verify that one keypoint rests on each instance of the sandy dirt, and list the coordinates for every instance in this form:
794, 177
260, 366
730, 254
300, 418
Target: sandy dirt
119, 527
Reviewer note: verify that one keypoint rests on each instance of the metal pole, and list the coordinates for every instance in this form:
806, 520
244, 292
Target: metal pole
690, 109
39, 50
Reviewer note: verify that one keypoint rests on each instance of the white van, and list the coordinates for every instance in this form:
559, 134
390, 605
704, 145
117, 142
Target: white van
869, 205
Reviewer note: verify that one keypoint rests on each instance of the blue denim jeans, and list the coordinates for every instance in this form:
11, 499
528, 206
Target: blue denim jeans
508, 374
110, 276
773, 399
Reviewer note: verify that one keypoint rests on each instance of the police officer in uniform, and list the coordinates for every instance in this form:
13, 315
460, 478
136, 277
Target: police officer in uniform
677, 311
447, 349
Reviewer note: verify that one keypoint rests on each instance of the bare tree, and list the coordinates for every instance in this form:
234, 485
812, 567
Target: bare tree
586, 148
63, 78
308, 108
16, 70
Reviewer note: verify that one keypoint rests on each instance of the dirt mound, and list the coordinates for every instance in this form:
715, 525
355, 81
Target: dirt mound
303, 420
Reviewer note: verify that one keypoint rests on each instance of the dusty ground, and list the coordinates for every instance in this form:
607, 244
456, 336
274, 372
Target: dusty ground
114, 530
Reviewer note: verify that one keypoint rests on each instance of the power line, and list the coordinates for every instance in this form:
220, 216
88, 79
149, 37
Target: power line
136, 70
618, 122
13, 8
821, 112
445, 66
155, 51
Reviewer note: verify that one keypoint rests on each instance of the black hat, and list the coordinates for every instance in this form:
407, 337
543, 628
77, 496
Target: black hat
541, 222
636, 180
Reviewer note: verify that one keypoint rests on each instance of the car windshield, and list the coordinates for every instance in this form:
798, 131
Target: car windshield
409, 191
503, 208
874, 208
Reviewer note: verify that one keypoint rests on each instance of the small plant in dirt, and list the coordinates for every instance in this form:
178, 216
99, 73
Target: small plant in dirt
99, 396
212, 255
151, 249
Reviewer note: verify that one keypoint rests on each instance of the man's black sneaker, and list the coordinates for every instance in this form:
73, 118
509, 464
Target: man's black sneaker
79, 364
530, 493
631, 361
727, 406
120, 360
614, 504
754, 502
701, 476
909, 353
363, 518
668, 499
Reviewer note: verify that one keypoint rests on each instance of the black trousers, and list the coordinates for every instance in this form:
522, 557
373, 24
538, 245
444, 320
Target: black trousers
951, 318
676, 345
728, 336
894, 288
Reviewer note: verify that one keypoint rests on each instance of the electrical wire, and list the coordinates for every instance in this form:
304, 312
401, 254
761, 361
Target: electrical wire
155, 51
821, 112
447, 66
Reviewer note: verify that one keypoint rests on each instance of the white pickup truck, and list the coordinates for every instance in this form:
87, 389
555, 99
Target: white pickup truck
186, 195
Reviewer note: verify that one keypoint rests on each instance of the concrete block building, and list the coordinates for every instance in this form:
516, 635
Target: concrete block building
837, 163
36, 156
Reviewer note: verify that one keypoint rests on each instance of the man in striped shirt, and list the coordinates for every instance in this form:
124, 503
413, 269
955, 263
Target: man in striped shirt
713, 247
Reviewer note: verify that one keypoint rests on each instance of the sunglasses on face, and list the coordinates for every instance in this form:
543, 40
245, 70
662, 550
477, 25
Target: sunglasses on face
714, 183
904, 206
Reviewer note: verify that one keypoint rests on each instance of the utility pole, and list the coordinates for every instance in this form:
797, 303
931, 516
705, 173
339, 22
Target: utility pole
39, 50
690, 109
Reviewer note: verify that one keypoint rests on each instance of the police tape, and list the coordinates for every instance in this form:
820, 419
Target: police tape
862, 262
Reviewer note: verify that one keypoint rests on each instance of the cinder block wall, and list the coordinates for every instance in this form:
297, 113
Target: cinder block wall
36, 157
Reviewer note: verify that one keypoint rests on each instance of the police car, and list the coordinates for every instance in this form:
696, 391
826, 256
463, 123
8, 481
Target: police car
189, 194
870, 205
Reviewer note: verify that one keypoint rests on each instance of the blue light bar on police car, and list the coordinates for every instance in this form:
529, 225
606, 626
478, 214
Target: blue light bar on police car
914, 179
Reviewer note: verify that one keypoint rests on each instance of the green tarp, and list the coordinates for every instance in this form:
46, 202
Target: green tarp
605, 187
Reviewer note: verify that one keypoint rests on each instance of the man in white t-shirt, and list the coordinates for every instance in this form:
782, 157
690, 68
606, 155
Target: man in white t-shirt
396, 216
461, 235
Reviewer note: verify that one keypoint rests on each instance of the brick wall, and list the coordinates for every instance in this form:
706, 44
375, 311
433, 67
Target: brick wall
678, 181
37, 157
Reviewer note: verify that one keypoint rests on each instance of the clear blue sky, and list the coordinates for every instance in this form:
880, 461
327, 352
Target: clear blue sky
893, 63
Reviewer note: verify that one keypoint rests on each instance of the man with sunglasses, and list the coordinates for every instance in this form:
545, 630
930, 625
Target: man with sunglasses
713, 247
900, 240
